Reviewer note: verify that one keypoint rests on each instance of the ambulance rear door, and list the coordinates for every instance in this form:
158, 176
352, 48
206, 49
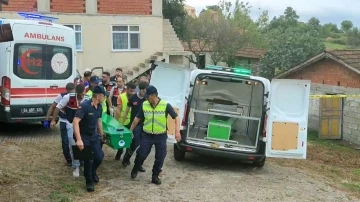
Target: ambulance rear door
28, 71
60, 60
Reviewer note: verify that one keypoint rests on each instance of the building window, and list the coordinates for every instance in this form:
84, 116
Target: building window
125, 37
78, 35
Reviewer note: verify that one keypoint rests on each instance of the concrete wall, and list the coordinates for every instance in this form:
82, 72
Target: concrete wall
351, 118
97, 39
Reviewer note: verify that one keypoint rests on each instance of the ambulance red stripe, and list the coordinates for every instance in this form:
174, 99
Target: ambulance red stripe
35, 92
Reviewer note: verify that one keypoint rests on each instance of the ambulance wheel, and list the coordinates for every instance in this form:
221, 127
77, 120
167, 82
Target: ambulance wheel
260, 164
178, 154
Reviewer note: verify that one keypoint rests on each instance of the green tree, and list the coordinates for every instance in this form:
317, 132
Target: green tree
346, 25
222, 34
353, 37
211, 7
290, 43
174, 11
314, 23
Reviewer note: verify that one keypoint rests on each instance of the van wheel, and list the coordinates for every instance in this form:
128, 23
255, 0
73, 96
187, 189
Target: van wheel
260, 164
178, 154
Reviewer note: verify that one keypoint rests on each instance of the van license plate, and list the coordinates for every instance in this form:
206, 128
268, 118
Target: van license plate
32, 110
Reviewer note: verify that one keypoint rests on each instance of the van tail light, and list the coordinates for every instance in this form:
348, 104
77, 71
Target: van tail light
5, 90
264, 129
183, 122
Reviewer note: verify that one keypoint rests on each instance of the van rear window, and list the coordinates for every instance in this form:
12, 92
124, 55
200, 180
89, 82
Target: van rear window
42, 62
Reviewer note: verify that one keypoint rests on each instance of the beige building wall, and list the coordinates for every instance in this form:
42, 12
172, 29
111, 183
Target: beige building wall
97, 38
190, 10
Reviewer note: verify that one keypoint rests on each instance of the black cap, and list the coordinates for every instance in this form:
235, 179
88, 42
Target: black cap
99, 90
150, 90
94, 79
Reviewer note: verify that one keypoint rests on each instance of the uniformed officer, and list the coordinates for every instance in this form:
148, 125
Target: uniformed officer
94, 81
87, 125
67, 108
154, 112
133, 106
70, 88
121, 107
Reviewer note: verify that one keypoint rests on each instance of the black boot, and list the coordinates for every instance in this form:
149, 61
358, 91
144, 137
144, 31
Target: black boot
90, 187
156, 180
118, 154
134, 172
126, 160
95, 178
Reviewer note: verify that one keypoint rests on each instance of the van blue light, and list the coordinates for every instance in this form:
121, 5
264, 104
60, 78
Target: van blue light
237, 70
36, 16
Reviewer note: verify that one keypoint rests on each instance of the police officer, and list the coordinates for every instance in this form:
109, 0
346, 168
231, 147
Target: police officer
87, 125
67, 108
154, 113
94, 81
70, 88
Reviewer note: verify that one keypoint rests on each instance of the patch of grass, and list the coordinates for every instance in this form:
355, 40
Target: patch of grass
352, 186
59, 197
334, 159
334, 46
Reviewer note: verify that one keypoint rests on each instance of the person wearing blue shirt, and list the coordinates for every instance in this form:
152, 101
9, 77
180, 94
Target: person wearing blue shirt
144, 79
87, 126
154, 114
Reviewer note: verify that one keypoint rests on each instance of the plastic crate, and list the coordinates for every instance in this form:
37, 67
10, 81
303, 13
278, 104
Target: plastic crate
117, 136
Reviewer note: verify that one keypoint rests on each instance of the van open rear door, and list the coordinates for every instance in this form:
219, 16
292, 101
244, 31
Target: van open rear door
287, 124
172, 82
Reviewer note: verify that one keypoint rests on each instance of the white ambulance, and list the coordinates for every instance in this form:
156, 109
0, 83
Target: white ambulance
37, 60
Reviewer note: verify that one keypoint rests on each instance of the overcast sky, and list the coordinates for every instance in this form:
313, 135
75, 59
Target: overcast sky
326, 11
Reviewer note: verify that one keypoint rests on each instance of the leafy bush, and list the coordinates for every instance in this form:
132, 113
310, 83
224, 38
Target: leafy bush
340, 41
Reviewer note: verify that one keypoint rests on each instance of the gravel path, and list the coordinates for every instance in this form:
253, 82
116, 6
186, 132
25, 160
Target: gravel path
198, 178
206, 179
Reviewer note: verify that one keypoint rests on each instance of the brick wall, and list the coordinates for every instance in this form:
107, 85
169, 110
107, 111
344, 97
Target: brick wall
351, 110
328, 72
69, 6
130, 7
330, 77
21, 5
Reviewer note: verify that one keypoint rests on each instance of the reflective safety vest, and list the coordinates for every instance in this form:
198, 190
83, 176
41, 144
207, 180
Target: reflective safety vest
124, 101
104, 107
155, 119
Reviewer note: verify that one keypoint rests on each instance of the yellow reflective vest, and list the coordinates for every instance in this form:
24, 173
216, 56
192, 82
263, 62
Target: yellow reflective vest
155, 118
104, 107
124, 102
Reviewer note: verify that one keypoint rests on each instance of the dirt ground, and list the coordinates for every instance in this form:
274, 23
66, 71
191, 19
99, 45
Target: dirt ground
32, 169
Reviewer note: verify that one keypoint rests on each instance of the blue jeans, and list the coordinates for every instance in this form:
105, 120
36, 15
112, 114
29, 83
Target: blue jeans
90, 167
70, 133
147, 141
65, 141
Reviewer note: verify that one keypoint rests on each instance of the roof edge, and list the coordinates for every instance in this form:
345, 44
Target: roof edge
302, 65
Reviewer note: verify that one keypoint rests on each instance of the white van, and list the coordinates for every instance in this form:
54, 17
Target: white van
36, 63
228, 113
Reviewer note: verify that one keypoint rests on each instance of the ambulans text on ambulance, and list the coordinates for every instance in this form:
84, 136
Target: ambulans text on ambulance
44, 37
